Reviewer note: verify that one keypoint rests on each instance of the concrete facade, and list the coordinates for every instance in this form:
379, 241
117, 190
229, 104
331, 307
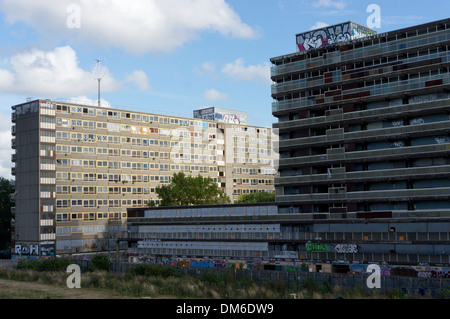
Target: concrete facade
364, 145
364, 163
78, 168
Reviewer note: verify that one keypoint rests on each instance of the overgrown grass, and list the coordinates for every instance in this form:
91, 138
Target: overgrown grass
145, 280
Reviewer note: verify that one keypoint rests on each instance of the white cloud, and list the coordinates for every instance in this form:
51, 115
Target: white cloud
208, 67
138, 26
240, 72
341, 4
214, 95
50, 74
140, 79
319, 25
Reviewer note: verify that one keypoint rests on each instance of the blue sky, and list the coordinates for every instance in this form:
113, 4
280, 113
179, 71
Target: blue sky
166, 56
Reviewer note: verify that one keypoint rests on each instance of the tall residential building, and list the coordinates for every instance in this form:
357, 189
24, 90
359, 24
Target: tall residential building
364, 123
78, 168
364, 166
364, 126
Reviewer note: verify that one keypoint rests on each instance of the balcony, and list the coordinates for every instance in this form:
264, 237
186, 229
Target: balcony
363, 92
372, 155
393, 112
340, 176
441, 193
371, 51
338, 135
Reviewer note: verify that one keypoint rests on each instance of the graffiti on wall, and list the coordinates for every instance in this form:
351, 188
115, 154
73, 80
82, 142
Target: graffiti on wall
26, 249
434, 274
338, 248
227, 118
47, 248
330, 35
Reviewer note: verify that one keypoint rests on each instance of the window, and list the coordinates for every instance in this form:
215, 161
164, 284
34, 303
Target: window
63, 189
62, 176
62, 203
89, 177
62, 136
90, 203
89, 164
63, 162
89, 190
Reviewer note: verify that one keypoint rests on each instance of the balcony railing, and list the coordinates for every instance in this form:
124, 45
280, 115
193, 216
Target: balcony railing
362, 53
374, 90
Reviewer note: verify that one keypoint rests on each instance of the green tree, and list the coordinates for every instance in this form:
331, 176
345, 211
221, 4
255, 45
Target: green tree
6, 190
188, 190
259, 197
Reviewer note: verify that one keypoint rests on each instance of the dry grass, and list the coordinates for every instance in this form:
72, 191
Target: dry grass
174, 285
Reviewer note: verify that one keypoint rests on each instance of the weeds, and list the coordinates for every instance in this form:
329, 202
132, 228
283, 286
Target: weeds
146, 280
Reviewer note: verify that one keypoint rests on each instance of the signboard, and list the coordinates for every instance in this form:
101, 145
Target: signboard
221, 115
329, 35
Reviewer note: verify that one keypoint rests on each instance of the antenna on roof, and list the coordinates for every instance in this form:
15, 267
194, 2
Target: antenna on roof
99, 73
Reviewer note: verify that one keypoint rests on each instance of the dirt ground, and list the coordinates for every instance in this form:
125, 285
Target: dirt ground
10, 289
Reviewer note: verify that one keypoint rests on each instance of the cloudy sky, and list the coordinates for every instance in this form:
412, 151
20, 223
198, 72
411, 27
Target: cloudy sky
166, 56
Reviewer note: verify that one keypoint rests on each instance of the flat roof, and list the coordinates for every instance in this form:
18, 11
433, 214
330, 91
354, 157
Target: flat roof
137, 112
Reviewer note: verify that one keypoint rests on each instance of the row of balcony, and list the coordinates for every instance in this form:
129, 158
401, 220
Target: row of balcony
442, 193
339, 175
334, 136
372, 51
368, 91
338, 117
338, 155
310, 83
332, 237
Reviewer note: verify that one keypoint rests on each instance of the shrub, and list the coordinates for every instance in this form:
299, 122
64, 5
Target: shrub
149, 270
99, 263
216, 279
310, 285
51, 264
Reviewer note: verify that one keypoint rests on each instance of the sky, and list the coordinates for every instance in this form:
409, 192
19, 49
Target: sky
166, 56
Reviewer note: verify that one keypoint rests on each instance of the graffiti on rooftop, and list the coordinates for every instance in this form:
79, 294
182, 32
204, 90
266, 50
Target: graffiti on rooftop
332, 34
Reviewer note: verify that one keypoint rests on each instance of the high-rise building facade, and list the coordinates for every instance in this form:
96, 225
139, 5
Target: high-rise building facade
78, 168
364, 123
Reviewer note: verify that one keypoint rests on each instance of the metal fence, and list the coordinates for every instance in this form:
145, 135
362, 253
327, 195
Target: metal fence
8, 263
411, 286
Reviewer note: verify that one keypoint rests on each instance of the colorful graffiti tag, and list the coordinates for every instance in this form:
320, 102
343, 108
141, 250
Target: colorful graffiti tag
25, 249
299, 266
338, 248
330, 35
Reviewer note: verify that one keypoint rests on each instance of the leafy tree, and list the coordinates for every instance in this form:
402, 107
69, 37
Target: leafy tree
259, 197
6, 189
188, 190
